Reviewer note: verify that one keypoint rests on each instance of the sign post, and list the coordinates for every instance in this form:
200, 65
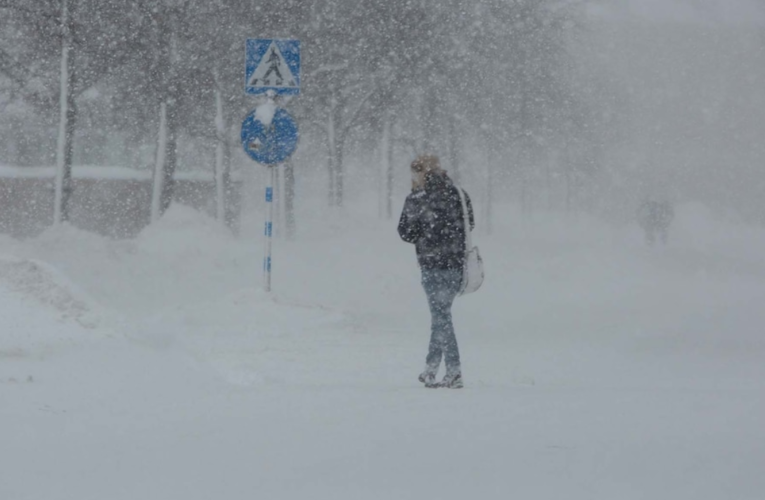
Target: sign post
269, 229
269, 133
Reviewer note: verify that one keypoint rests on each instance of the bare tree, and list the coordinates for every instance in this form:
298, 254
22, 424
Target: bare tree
91, 36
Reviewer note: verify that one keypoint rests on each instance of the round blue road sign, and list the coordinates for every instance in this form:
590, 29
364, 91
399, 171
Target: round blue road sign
272, 143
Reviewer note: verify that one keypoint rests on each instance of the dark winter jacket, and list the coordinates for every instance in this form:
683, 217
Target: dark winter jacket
432, 219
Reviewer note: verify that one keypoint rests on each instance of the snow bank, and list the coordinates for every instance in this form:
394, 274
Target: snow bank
185, 257
42, 283
183, 230
41, 311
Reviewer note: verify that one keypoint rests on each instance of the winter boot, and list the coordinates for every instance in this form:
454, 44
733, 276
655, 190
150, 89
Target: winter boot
428, 377
452, 381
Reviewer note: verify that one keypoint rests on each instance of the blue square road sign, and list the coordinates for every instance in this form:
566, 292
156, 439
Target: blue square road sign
272, 64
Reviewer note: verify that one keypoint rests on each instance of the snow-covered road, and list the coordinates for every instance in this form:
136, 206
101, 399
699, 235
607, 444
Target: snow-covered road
595, 368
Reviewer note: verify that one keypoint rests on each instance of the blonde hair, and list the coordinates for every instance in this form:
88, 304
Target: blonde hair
422, 165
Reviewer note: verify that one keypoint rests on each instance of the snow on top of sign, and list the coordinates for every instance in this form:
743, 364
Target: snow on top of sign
264, 113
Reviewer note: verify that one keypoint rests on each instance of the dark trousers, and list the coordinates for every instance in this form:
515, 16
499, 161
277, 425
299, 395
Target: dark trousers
441, 287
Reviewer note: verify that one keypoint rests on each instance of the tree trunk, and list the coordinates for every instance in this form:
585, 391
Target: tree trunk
232, 221
156, 197
337, 141
389, 175
524, 140
167, 139
171, 158
67, 120
524, 193
379, 182
331, 153
567, 169
222, 165
549, 185
339, 172
387, 154
429, 128
489, 189
164, 168
454, 156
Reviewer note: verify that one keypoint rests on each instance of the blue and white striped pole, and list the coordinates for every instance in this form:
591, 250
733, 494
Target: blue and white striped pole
269, 229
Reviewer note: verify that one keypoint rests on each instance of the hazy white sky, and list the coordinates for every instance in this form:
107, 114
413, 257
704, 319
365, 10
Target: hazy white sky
693, 11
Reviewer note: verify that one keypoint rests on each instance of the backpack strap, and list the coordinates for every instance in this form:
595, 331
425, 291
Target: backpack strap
466, 218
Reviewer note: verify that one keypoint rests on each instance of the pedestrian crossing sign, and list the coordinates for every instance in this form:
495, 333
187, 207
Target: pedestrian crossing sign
272, 65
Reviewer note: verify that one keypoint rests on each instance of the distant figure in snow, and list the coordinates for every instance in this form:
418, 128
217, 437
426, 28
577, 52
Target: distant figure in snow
433, 220
655, 217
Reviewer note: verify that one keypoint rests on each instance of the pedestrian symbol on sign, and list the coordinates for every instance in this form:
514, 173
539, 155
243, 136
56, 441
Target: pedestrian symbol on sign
274, 61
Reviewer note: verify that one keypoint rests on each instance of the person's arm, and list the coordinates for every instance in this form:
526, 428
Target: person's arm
408, 226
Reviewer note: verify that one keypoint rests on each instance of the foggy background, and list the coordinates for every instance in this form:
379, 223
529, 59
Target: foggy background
548, 105
141, 355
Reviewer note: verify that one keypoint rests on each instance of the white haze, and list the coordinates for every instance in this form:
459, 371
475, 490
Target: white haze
690, 96
155, 366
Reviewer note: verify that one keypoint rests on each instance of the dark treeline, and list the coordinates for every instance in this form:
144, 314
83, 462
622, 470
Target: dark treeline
518, 86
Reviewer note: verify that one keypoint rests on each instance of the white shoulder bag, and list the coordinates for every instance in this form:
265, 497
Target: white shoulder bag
472, 272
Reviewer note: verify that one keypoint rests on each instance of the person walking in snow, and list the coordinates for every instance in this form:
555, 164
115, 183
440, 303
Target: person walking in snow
433, 220
655, 218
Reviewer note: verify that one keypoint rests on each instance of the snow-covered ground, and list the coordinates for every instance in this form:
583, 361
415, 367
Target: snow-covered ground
595, 368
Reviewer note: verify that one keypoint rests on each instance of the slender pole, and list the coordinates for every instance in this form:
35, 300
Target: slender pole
61, 186
159, 165
220, 129
269, 228
490, 157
